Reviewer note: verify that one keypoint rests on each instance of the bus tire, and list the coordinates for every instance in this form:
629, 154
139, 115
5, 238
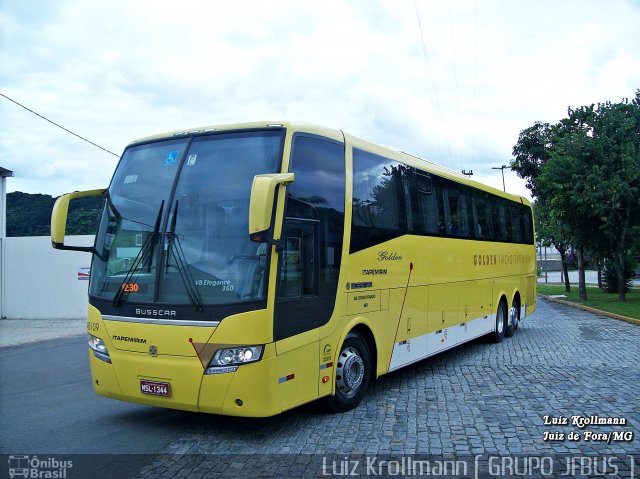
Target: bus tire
514, 320
353, 371
500, 327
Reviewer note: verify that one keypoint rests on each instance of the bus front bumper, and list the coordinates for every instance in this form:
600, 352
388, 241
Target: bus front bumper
251, 390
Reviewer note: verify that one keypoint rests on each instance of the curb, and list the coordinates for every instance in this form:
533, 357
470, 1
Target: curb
600, 312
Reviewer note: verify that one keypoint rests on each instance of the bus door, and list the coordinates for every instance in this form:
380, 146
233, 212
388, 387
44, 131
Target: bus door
299, 262
309, 263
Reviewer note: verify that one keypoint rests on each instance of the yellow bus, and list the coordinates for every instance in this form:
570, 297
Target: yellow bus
247, 269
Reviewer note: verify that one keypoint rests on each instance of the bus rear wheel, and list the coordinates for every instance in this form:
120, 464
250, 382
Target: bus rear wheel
353, 371
500, 327
514, 320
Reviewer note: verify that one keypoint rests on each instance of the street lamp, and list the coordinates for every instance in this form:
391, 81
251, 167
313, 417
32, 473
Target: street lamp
501, 168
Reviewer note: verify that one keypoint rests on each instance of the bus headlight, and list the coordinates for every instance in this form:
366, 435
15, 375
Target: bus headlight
228, 359
99, 348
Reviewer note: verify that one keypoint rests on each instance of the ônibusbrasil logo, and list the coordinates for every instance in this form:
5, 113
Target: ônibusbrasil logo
35, 467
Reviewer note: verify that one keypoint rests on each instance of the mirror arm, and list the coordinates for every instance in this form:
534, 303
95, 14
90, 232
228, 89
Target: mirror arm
85, 249
267, 237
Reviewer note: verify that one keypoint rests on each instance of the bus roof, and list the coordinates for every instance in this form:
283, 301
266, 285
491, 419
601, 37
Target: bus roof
338, 135
296, 126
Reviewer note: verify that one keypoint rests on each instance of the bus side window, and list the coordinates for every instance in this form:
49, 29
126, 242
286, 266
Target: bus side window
490, 223
425, 204
431, 210
380, 200
477, 227
408, 199
445, 224
463, 216
423, 183
527, 220
515, 223
439, 188
502, 222
483, 225
455, 215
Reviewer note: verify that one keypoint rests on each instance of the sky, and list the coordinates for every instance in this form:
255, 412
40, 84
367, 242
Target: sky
453, 81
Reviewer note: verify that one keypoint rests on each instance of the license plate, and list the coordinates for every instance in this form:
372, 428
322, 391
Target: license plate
155, 388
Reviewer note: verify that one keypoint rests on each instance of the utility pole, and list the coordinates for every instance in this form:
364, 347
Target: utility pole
501, 168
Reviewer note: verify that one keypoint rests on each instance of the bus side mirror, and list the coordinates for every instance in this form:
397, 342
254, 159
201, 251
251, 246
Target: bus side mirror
263, 193
59, 219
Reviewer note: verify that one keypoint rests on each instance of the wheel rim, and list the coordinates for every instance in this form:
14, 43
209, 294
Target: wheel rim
350, 372
514, 317
500, 320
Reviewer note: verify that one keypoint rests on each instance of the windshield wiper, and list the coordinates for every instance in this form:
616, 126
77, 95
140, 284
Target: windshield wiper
174, 248
145, 255
114, 218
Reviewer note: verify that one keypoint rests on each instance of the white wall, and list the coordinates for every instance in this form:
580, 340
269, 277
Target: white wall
42, 283
3, 233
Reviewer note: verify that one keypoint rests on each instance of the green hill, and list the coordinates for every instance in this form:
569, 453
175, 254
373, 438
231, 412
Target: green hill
30, 215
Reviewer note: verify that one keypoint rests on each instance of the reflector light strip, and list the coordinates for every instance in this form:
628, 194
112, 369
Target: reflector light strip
284, 379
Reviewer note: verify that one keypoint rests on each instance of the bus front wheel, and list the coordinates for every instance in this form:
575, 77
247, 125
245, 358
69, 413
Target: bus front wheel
500, 327
353, 371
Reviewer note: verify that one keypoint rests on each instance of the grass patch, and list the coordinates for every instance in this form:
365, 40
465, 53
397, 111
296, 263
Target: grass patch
598, 299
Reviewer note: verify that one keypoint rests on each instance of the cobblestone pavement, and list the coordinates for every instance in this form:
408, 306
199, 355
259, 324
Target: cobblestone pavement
480, 399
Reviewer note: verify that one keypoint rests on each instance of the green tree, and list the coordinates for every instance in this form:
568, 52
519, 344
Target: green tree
531, 152
615, 181
561, 182
592, 180
551, 231
585, 173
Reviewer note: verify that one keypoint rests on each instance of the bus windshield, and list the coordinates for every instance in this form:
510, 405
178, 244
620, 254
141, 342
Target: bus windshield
174, 229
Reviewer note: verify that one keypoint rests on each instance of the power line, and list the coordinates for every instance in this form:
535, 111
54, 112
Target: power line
59, 126
431, 80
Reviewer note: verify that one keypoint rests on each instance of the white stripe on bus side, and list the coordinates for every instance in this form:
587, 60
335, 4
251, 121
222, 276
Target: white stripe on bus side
426, 345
